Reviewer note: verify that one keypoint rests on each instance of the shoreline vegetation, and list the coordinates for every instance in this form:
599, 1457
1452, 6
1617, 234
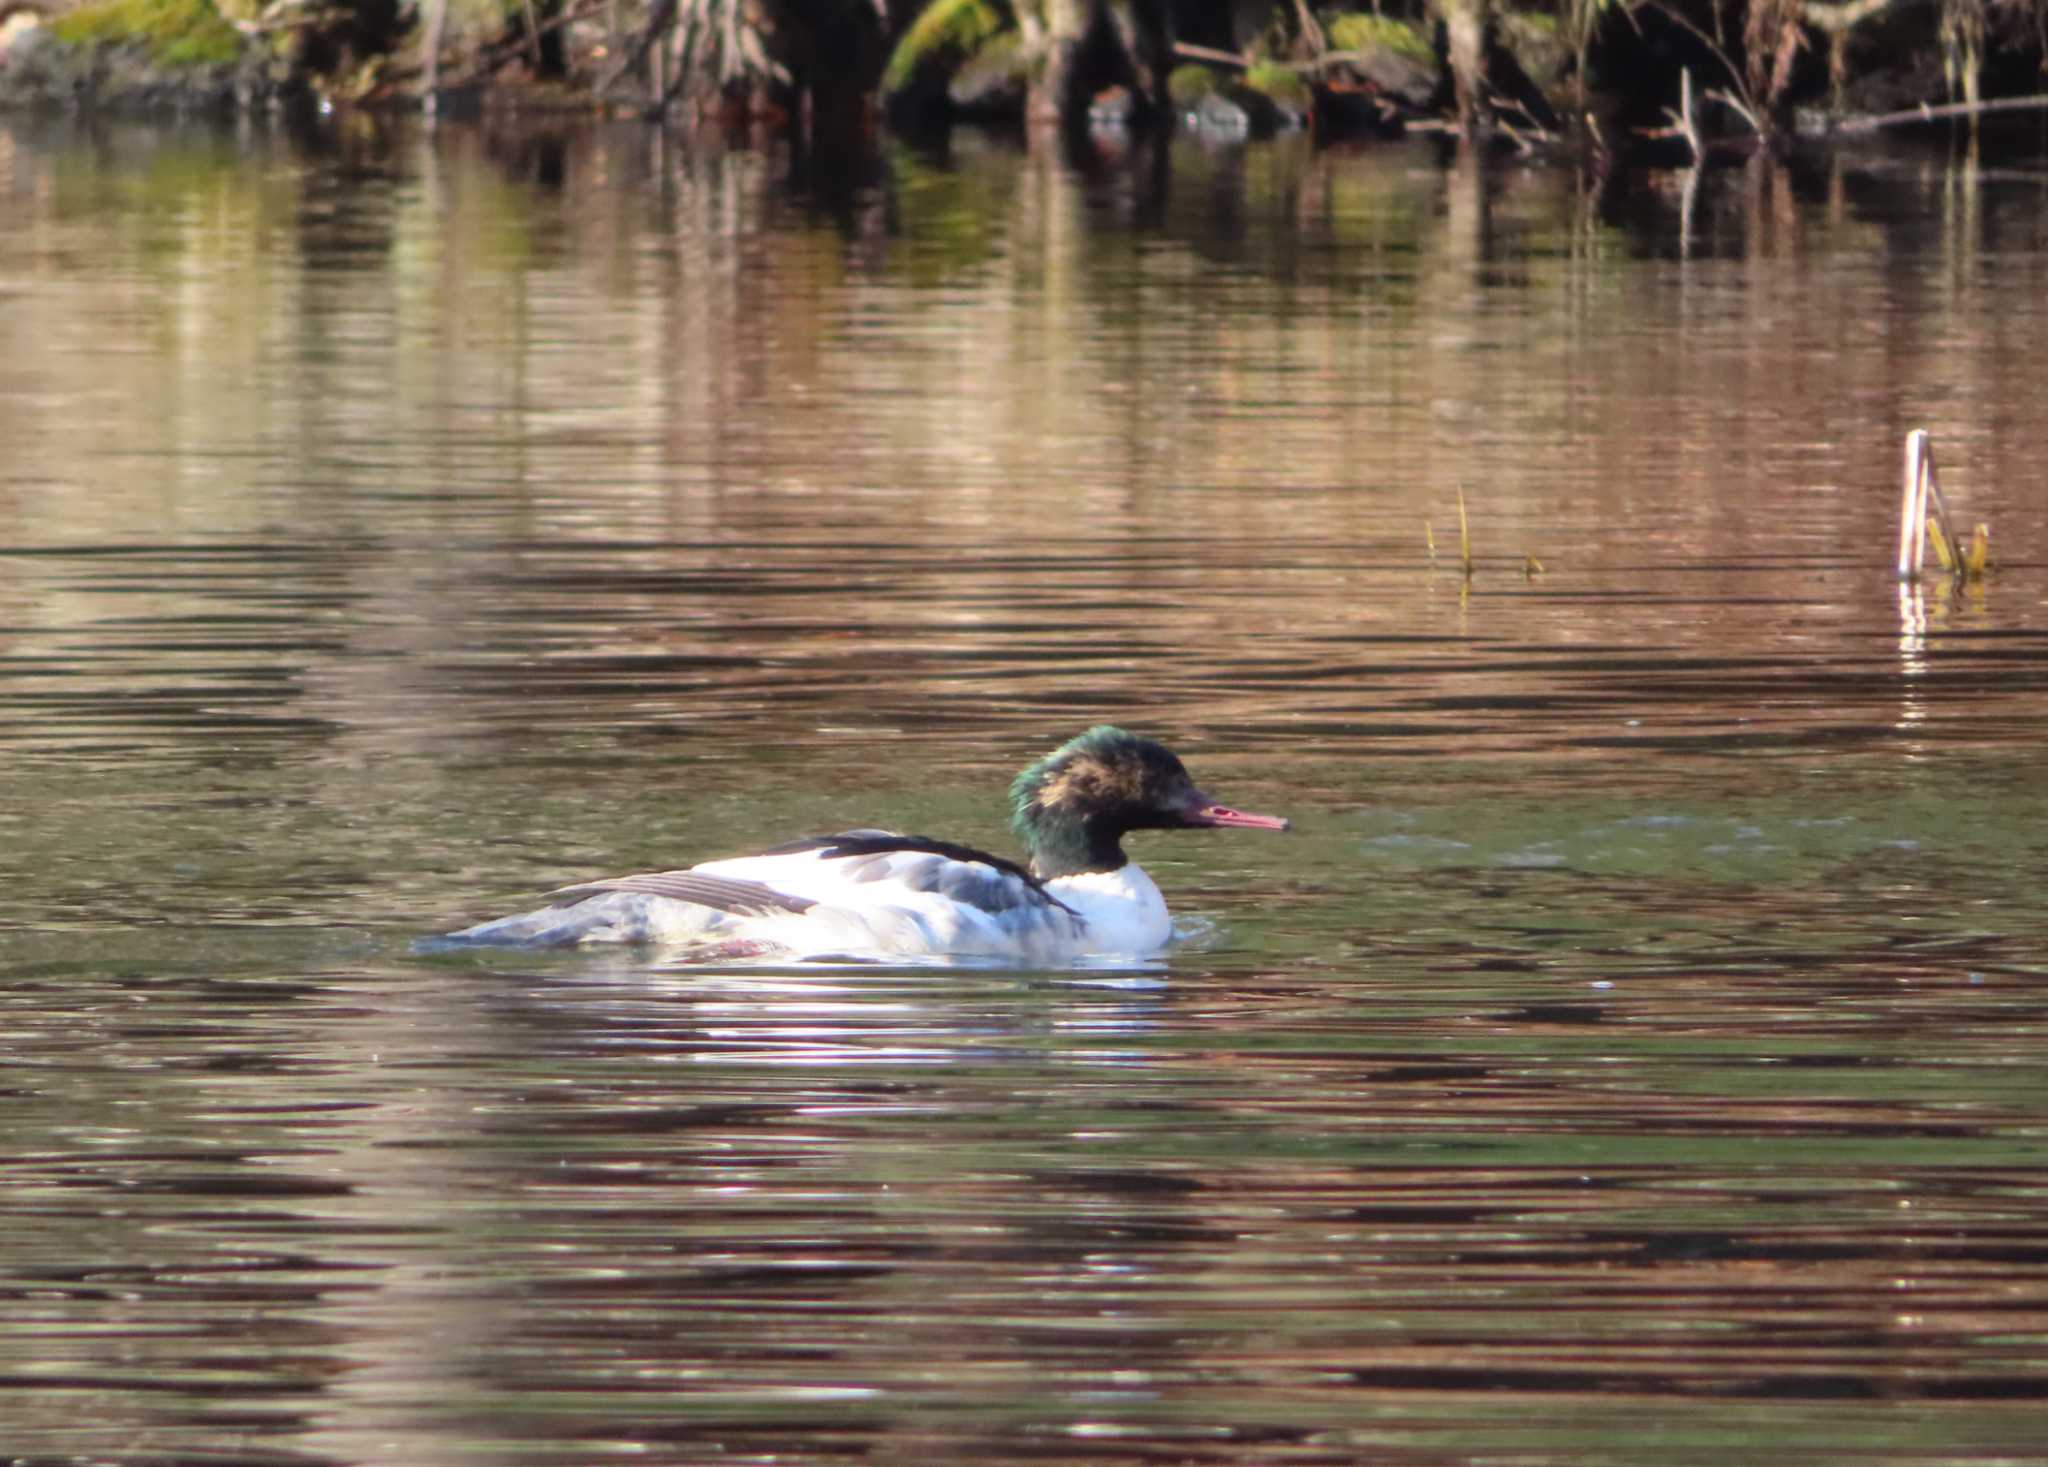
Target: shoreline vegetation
1653, 81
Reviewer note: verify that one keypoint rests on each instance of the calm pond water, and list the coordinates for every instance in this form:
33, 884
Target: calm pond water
1636, 1053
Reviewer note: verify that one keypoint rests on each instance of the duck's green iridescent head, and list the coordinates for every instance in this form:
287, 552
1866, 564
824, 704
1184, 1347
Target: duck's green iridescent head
1073, 807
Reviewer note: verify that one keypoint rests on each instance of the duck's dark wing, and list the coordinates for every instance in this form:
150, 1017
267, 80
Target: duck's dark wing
720, 893
972, 877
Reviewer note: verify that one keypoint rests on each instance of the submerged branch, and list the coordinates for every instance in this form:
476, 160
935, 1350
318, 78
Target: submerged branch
1924, 113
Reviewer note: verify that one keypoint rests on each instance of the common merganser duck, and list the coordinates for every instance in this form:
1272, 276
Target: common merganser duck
876, 894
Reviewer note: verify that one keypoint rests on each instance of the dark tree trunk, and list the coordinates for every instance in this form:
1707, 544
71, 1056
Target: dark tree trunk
552, 60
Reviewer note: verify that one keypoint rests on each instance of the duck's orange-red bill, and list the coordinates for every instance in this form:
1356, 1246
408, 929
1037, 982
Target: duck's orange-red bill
1207, 814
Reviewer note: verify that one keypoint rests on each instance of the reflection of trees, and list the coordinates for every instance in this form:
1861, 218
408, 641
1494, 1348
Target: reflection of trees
519, 425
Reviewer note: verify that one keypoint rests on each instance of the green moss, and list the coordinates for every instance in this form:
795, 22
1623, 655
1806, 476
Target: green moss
176, 32
1187, 85
1283, 84
944, 30
1353, 31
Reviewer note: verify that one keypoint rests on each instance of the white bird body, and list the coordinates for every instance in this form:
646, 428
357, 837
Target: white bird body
875, 894
910, 903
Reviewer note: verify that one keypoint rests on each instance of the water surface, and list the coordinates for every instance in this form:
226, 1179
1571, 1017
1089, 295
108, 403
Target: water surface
1633, 1055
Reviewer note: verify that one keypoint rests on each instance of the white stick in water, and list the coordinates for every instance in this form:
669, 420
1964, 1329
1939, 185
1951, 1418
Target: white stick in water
1913, 507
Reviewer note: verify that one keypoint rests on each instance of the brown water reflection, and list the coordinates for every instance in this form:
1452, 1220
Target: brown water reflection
1634, 1054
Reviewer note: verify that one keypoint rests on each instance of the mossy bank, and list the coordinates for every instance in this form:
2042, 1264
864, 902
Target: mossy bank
141, 56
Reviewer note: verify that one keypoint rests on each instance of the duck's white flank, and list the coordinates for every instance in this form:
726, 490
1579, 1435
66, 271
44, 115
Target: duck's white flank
919, 906
878, 895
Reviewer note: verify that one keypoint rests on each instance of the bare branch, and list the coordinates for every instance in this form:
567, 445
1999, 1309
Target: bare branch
1729, 100
1677, 18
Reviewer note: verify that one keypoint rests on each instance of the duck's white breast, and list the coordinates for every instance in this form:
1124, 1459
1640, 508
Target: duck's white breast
1123, 909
